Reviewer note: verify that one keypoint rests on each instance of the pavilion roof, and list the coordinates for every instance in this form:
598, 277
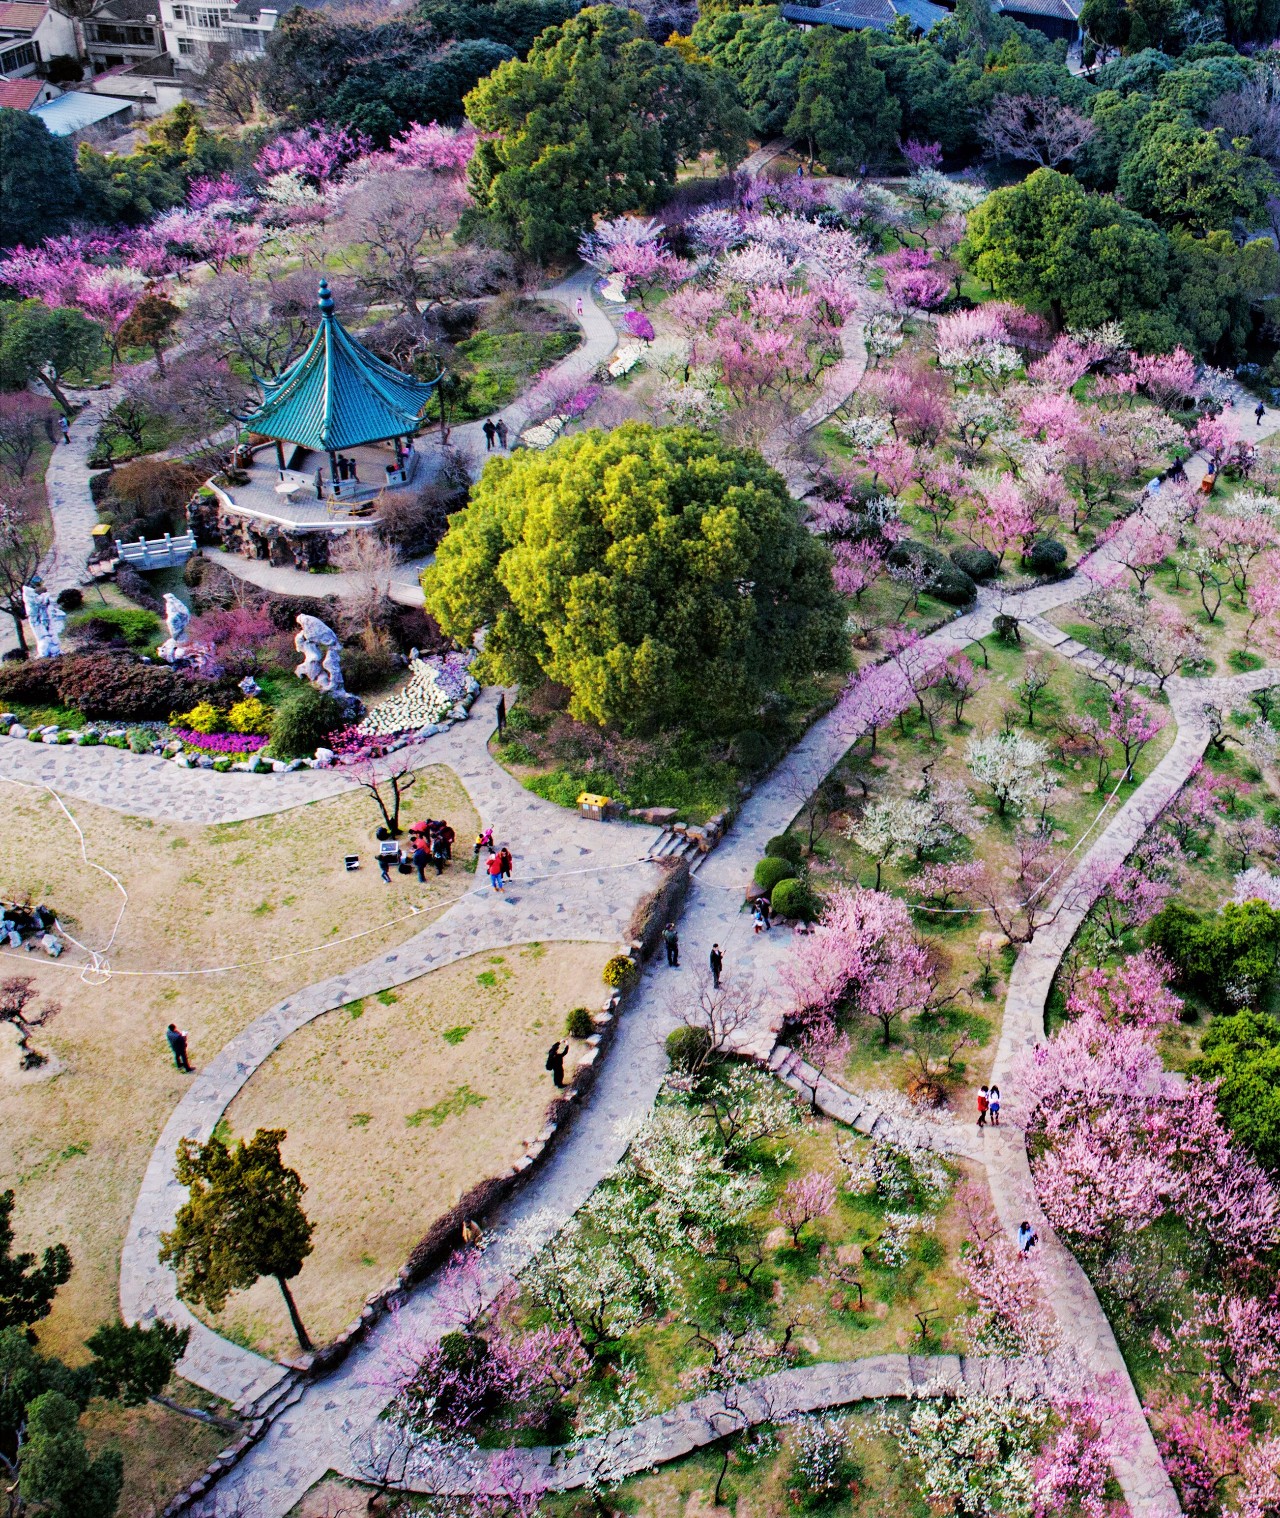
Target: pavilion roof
338, 394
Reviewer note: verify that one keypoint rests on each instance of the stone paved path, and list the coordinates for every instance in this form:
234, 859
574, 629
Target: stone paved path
704, 1420
583, 865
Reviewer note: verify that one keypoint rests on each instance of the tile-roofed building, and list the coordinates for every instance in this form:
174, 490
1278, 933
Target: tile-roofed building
32, 34
338, 394
1055, 18
24, 94
857, 15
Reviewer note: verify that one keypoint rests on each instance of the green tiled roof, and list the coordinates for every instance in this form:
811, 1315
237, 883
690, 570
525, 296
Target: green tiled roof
338, 394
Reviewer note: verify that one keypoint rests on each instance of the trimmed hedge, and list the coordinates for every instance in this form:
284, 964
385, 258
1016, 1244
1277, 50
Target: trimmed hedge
116, 688
1047, 556
578, 1023
788, 846
621, 973
947, 581
687, 1047
771, 870
302, 722
977, 563
794, 899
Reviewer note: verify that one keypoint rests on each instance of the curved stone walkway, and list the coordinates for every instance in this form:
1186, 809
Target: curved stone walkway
693, 1425
574, 880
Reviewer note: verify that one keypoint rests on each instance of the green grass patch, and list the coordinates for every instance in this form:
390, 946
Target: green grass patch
453, 1105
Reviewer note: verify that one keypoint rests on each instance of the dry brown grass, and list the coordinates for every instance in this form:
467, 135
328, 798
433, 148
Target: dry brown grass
74, 1141
395, 1106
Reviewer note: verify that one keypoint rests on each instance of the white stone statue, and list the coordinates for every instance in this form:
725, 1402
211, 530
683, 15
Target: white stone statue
176, 615
47, 620
321, 655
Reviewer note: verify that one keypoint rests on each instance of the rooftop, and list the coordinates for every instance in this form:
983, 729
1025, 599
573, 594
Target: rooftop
75, 111
856, 15
20, 94
339, 394
1064, 10
21, 15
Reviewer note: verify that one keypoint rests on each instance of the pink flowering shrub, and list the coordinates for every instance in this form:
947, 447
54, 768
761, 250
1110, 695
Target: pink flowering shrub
317, 152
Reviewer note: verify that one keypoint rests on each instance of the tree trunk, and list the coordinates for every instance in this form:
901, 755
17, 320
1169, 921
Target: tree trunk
55, 390
17, 626
197, 1413
293, 1313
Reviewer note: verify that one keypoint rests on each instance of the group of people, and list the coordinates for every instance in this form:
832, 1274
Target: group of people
430, 842
492, 430
671, 943
499, 864
989, 1106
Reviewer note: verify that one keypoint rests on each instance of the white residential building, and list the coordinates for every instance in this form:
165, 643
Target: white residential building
31, 35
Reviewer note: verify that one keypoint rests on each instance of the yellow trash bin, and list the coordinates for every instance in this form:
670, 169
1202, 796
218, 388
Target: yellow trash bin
593, 806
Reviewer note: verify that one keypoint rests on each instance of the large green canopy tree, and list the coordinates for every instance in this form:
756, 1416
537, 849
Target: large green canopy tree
39, 188
594, 122
658, 574
844, 111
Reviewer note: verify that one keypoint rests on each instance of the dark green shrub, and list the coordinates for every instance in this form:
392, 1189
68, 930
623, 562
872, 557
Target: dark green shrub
621, 973
977, 563
140, 739
1228, 956
946, 581
139, 628
771, 870
687, 1048
785, 846
70, 599
302, 722
751, 750
578, 1024
1242, 1053
1046, 556
794, 899
364, 671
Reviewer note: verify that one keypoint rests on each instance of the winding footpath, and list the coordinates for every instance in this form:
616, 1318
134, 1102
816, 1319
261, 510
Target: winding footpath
579, 880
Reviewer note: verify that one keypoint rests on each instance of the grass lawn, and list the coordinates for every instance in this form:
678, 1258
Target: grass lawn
76, 1135
398, 1104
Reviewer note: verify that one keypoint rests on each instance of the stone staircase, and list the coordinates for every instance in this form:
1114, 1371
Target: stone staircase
676, 845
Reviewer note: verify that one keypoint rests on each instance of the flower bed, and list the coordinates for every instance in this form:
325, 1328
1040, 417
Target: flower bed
232, 745
436, 686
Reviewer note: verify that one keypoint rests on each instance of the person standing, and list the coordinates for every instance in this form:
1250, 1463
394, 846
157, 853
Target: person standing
502, 713
505, 860
439, 854
993, 1105
502, 434
494, 868
178, 1044
579, 307
490, 432
447, 836
420, 858
384, 864
716, 961
984, 1102
65, 427
555, 1063
1259, 411
671, 942
1028, 1238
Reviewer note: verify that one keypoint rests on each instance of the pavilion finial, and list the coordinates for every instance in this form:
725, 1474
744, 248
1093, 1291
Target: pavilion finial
326, 300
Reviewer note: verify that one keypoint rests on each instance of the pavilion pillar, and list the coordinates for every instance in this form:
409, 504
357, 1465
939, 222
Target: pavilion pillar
280, 455
333, 470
